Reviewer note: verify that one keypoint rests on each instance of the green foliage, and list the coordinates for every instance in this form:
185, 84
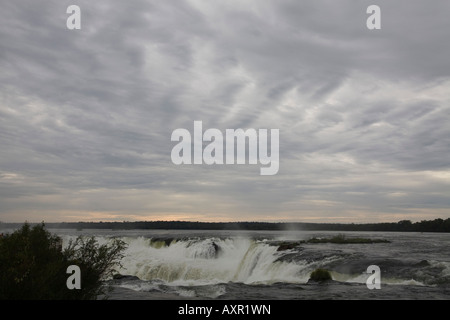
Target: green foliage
33, 265
30, 264
320, 275
96, 262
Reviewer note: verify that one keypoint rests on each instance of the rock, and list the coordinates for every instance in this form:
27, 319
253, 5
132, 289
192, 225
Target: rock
320, 275
286, 246
119, 276
216, 249
423, 263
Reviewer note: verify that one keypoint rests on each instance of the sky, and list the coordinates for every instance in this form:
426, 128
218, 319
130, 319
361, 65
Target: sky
86, 116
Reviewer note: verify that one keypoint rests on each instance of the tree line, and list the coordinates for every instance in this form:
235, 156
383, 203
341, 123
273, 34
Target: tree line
436, 225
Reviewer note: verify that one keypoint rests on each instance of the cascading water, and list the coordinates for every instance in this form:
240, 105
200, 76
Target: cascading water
209, 261
206, 265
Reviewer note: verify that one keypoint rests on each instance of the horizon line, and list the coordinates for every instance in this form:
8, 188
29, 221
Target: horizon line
211, 222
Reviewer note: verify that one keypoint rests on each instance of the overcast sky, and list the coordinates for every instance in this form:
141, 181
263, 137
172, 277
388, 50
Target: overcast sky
86, 116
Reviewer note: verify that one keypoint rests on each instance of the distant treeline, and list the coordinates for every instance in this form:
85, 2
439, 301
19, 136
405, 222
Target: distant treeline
437, 225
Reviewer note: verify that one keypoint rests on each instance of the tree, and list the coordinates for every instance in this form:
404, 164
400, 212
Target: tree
404, 225
33, 265
96, 262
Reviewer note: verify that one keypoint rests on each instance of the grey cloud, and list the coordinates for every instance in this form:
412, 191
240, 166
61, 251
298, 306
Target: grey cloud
89, 110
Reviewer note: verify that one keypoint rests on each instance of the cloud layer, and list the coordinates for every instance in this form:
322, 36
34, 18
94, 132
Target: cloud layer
86, 115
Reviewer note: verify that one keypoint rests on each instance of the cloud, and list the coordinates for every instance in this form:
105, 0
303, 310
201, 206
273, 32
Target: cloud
86, 115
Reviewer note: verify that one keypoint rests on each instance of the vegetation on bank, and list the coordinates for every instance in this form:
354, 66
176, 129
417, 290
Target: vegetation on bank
338, 239
342, 239
437, 225
33, 265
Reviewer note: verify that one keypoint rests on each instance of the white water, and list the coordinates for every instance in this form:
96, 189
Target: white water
194, 266
195, 261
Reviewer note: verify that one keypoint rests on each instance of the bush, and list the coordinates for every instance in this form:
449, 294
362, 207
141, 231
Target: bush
320, 275
33, 265
96, 262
